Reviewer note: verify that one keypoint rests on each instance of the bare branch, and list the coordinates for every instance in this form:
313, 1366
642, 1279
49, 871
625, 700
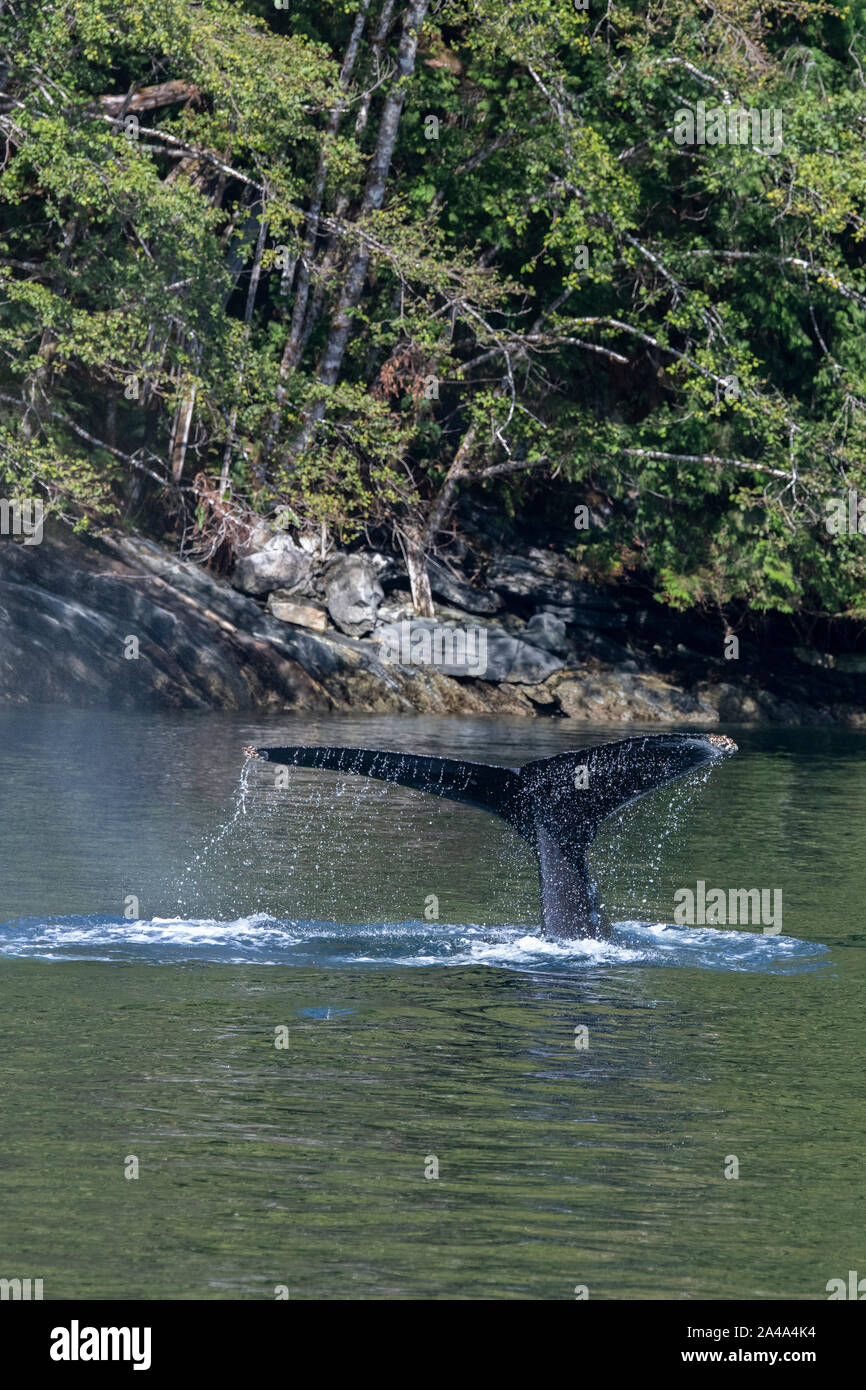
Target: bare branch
750, 466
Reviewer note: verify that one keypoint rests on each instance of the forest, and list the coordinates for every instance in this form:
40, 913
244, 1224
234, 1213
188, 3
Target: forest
348, 267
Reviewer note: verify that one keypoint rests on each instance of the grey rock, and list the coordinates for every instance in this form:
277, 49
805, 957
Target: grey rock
68, 611
353, 594
263, 536
545, 581
622, 698
283, 607
213, 594
548, 632
396, 607
522, 578
474, 600
467, 650
590, 611
391, 571
280, 565
316, 653
601, 646
259, 537
511, 659
849, 663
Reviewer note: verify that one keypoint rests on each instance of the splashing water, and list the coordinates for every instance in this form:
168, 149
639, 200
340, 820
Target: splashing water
249, 933
190, 879
264, 940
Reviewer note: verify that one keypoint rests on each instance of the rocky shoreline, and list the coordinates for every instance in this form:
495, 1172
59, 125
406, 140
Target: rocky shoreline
119, 620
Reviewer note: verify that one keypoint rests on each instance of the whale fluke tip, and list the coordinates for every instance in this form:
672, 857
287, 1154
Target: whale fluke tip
251, 751
722, 742
556, 803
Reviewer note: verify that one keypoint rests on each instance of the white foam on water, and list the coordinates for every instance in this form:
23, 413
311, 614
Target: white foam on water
262, 939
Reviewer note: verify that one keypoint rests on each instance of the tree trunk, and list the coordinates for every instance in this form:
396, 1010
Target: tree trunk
419, 577
329, 258
111, 416
180, 434
443, 501
35, 384
295, 344
255, 276
374, 196
419, 540
293, 349
149, 98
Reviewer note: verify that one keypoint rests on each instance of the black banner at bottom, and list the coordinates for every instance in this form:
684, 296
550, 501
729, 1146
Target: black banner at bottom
223, 1338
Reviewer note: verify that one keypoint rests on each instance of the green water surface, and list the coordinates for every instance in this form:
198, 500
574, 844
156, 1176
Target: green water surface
303, 1167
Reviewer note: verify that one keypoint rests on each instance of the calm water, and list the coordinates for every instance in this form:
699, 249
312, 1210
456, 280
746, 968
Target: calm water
158, 928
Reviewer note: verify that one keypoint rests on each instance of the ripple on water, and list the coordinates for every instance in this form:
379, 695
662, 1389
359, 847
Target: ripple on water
263, 940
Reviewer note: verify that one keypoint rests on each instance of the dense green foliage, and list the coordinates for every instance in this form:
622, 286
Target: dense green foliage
271, 259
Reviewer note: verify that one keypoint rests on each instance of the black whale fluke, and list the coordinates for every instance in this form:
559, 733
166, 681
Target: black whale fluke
557, 803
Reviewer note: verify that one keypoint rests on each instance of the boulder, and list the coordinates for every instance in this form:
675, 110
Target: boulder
258, 536
548, 632
213, 594
353, 594
589, 643
281, 605
396, 607
390, 569
279, 565
99, 621
545, 582
463, 595
464, 649
532, 579
391, 572
594, 612
810, 657
511, 659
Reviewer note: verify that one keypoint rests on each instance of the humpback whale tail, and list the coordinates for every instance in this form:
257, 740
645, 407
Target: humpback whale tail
557, 804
